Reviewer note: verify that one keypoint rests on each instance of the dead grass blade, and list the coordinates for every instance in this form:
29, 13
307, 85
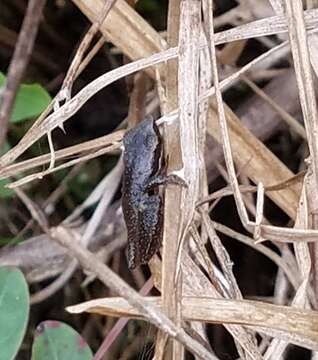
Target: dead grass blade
170, 285
110, 140
123, 17
291, 121
298, 326
299, 47
278, 6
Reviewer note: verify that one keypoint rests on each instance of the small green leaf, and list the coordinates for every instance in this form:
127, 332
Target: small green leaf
10, 240
55, 340
14, 311
2, 79
5, 192
31, 101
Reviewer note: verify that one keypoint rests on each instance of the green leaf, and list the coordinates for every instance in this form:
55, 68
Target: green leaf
2, 79
14, 311
55, 340
31, 101
5, 192
10, 240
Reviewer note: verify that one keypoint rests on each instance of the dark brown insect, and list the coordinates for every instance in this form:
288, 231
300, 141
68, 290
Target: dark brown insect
141, 202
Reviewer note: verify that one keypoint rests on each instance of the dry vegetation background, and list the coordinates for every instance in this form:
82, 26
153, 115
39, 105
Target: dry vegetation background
234, 83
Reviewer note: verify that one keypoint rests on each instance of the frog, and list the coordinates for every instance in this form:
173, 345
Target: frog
142, 202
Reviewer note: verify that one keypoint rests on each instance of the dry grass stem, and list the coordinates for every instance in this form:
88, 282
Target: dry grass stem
293, 324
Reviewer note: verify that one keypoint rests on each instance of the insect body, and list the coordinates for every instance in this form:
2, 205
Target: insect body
141, 202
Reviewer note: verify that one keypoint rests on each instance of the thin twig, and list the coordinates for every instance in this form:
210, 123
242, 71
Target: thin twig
290, 120
19, 62
72, 73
